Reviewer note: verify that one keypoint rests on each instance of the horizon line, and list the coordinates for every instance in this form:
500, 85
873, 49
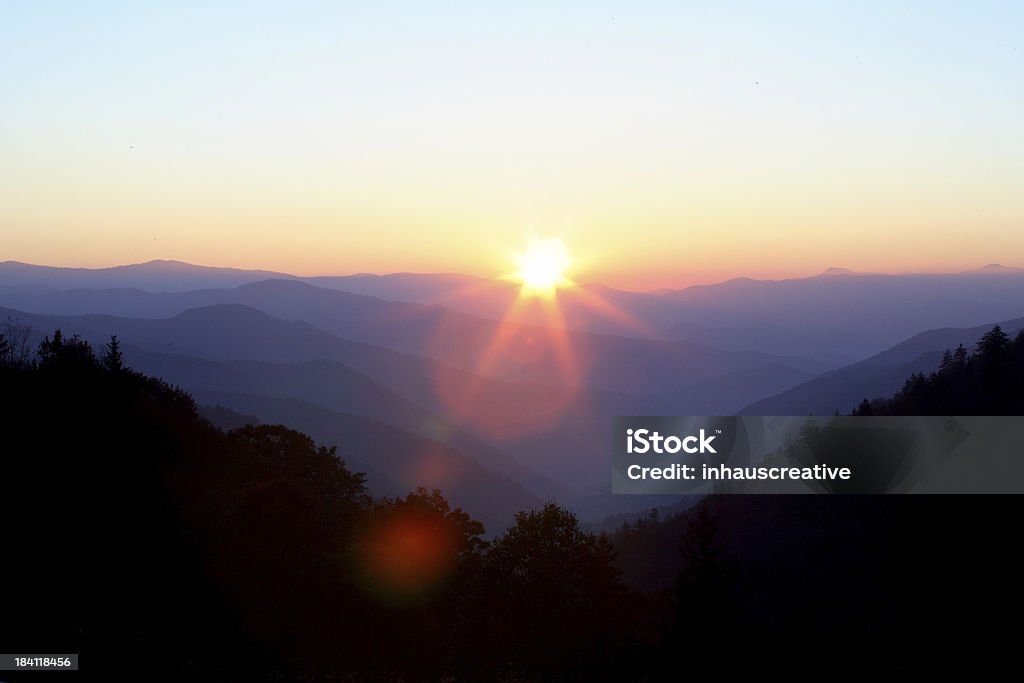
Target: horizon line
829, 271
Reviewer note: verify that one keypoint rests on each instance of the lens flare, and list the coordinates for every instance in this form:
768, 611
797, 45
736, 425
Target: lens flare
521, 375
405, 556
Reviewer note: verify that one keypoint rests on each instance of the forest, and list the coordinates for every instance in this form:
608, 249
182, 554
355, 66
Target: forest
987, 381
161, 547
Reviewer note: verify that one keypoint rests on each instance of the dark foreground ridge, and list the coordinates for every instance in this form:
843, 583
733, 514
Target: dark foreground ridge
159, 547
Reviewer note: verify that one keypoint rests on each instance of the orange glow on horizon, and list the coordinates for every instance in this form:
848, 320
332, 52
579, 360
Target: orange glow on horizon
637, 272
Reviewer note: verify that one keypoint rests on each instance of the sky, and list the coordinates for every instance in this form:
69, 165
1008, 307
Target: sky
665, 143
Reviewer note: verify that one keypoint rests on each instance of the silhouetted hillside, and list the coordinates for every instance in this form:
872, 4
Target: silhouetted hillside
159, 547
393, 460
879, 578
225, 418
397, 388
871, 581
989, 381
335, 387
559, 431
879, 376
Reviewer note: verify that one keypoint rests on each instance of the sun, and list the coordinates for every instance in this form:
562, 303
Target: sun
543, 266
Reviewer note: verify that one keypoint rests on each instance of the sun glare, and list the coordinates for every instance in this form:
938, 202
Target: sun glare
543, 266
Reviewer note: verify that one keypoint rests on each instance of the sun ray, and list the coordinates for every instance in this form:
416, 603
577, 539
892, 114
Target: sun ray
552, 359
594, 302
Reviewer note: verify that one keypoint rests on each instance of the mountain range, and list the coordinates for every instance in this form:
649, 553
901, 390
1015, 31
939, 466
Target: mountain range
857, 314
478, 390
879, 376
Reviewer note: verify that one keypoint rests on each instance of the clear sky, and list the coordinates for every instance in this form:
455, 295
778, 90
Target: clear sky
665, 142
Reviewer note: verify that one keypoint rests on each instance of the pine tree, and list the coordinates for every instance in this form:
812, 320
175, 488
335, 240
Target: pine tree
864, 408
809, 429
947, 364
50, 349
960, 358
67, 353
705, 596
113, 360
994, 346
988, 382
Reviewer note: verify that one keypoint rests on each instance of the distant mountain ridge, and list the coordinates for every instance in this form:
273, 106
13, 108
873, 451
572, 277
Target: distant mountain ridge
855, 314
528, 401
154, 276
530, 353
541, 428
847, 315
239, 349
999, 268
566, 443
881, 375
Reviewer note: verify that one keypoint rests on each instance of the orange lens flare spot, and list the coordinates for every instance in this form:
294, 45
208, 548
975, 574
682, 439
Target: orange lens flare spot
404, 557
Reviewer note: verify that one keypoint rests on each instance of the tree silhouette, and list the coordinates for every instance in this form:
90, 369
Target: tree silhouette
988, 382
993, 346
947, 364
112, 359
549, 599
416, 557
705, 622
466, 531
864, 408
809, 429
58, 353
960, 358
19, 347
